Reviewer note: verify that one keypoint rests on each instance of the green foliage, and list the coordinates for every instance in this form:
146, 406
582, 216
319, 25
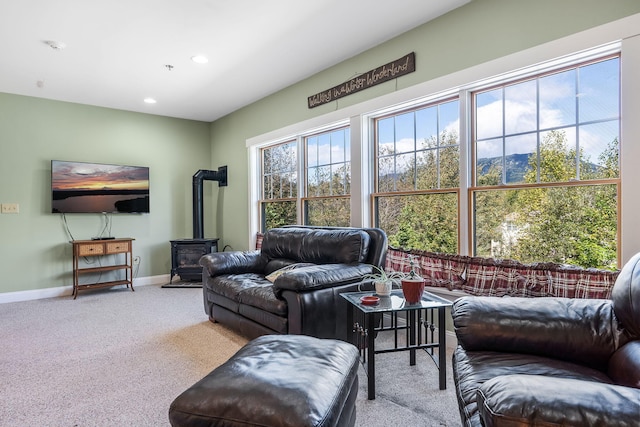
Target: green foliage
380, 275
573, 224
426, 222
564, 223
276, 214
329, 212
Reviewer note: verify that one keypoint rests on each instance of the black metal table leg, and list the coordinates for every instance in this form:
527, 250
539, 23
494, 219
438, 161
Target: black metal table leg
412, 320
371, 356
442, 348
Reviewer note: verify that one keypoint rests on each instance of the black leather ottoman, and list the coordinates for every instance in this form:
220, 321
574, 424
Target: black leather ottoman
276, 380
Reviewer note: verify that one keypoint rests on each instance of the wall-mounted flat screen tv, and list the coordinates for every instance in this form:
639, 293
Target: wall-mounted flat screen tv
78, 187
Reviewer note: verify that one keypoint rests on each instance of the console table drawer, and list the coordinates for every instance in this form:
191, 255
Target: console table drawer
91, 249
117, 247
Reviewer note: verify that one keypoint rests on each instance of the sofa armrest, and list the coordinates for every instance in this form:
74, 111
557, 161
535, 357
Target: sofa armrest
320, 276
577, 330
218, 263
320, 313
516, 400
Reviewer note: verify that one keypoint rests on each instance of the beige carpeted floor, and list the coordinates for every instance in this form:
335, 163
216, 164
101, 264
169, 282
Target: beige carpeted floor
118, 358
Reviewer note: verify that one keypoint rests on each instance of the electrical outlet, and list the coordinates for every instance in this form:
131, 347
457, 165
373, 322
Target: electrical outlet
136, 260
10, 208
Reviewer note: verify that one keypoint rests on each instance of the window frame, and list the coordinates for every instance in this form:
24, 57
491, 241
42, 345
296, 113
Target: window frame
577, 182
306, 198
263, 201
376, 194
299, 139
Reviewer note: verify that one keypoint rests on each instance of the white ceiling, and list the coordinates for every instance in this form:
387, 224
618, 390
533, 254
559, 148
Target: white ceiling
117, 51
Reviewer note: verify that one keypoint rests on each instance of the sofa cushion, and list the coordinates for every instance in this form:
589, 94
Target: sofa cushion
318, 246
264, 298
250, 289
231, 285
532, 400
472, 369
315, 277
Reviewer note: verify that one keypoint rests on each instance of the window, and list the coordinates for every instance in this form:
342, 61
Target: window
323, 196
328, 178
546, 166
279, 185
418, 174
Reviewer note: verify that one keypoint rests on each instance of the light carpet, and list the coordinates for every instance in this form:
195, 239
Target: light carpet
118, 358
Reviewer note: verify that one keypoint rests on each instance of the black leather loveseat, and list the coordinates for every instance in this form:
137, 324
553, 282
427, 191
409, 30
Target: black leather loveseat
317, 264
550, 361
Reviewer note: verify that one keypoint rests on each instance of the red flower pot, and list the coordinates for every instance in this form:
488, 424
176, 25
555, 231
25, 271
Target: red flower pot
412, 289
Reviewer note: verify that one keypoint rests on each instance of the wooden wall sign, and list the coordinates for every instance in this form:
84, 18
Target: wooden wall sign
392, 70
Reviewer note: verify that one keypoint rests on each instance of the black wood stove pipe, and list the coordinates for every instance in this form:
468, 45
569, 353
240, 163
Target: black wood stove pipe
203, 174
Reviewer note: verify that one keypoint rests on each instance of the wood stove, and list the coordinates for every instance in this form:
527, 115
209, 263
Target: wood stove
185, 254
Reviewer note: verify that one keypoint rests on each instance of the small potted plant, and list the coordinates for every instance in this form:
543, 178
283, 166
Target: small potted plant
412, 284
382, 280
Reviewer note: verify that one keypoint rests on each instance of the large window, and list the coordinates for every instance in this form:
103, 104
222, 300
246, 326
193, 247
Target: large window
524, 164
546, 167
418, 174
328, 178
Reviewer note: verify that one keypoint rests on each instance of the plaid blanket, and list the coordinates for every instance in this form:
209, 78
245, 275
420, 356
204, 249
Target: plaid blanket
500, 277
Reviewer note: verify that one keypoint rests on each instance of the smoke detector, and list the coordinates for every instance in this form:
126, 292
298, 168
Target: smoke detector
55, 45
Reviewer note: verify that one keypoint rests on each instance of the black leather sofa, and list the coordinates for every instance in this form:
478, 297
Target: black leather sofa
303, 300
550, 361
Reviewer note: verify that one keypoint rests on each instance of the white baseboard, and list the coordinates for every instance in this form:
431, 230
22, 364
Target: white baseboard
151, 280
61, 291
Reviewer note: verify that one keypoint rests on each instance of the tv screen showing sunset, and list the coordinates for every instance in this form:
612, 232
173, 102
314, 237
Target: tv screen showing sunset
95, 188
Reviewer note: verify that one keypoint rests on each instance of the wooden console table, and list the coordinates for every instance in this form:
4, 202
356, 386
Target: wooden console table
95, 248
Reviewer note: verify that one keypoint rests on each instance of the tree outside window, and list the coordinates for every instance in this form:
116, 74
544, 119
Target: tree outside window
328, 178
279, 185
418, 173
547, 167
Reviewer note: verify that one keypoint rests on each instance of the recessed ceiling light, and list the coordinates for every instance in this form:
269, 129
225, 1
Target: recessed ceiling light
199, 59
150, 101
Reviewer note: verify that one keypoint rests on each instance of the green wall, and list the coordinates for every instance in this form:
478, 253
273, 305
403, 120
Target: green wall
478, 32
35, 253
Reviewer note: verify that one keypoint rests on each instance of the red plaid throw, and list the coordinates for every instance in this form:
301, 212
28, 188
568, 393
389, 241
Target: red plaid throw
497, 277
